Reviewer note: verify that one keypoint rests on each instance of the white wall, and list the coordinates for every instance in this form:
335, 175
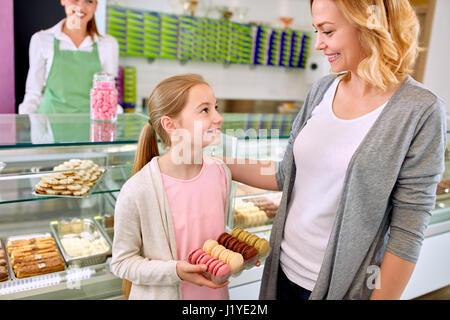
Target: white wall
99, 16
235, 81
438, 60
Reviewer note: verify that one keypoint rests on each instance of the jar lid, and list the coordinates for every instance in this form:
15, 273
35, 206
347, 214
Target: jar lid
103, 77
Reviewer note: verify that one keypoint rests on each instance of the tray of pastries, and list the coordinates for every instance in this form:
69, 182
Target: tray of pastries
33, 255
74, 178
256, 211
81, 241
4, 267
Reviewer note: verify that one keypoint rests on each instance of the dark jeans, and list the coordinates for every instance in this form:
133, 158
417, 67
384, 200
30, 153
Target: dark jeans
288, 290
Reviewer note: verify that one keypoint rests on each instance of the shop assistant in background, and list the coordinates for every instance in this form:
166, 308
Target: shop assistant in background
63, 60
364, 157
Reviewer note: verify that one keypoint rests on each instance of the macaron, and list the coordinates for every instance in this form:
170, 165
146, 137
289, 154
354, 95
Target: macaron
204, 259
247, 237
211, 264
231, 243
224, 255
240, 247
222, 270
236, 261
227, 241
209, 245
243, 235
251, 240
249, 252
194, 255
262, 245
235, 232
217, 250
222, 238
200, 258
217, 267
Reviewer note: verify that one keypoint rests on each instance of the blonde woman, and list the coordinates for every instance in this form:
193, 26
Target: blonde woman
364, 157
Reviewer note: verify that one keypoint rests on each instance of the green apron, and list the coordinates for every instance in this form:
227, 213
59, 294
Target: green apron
70, 80
67, 90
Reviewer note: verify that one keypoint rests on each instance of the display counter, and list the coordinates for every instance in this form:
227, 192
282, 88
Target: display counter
32, 146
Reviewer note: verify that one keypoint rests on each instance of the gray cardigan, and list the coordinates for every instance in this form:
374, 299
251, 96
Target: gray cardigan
389, 192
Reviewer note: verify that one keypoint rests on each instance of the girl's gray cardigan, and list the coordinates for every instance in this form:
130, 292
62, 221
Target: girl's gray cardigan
389, 192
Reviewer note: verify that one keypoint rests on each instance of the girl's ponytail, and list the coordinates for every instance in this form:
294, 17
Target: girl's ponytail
147, 148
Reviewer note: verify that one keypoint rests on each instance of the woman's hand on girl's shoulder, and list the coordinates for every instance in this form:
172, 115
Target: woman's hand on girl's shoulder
193, 273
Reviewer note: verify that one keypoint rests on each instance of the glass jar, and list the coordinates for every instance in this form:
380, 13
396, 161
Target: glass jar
103, 97
103, 131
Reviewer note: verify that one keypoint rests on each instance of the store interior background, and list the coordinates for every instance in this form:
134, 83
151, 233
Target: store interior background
242, 88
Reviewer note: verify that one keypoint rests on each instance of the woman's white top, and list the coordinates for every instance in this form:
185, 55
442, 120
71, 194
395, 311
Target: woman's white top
41, 59
322, 152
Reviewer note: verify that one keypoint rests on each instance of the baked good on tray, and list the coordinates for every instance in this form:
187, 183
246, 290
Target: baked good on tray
3, 266
34, 256
76, 178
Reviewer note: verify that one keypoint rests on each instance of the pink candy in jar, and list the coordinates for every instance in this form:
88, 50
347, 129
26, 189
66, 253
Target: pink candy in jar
103, 97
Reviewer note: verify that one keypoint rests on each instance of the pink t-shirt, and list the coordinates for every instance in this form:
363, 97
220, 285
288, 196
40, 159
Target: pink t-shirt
198, 213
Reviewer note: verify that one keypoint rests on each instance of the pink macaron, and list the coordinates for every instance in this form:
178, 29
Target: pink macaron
212, 265
222, 270
217, 267
200, 257
194, 255
208, 263
204, 259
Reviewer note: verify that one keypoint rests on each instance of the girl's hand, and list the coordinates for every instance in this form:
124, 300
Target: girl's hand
192, 273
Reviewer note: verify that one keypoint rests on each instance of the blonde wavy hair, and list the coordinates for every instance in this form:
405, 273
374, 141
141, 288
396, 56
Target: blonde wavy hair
389, 37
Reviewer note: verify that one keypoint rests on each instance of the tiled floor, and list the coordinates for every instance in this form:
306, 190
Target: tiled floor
441, 294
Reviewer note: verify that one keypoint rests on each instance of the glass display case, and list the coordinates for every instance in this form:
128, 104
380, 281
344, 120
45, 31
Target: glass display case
252, 208
31, 147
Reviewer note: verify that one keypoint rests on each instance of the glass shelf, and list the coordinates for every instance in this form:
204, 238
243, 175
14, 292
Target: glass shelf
20, 187
42, 130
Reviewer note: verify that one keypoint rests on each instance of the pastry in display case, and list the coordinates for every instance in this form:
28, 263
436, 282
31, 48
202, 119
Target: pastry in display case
49, 237
81, 241
4, 274
33, 255
443, 187
73, 178
252, 207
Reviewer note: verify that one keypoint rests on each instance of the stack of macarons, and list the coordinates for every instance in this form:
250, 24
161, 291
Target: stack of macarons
218, 271
260, 244
231, 243
234, 259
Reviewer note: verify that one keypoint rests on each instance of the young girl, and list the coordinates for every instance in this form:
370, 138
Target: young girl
173, 203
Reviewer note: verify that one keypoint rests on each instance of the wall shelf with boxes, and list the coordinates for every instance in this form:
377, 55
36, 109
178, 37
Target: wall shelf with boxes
153, 35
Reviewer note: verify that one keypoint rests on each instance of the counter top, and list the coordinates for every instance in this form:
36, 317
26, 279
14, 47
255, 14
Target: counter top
43, 130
